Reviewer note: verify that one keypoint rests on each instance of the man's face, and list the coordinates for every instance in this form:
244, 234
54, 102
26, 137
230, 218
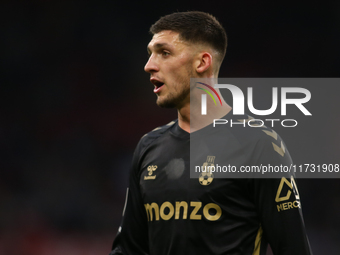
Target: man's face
170, 66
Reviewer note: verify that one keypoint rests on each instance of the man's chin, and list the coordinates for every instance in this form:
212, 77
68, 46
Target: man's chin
165, 103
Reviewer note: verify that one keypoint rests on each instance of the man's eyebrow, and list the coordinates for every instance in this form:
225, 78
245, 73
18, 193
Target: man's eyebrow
157, 46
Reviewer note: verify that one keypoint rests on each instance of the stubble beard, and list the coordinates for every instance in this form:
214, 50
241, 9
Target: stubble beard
173, 100
177, 99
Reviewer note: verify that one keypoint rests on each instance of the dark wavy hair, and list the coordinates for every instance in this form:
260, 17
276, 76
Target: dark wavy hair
195, 27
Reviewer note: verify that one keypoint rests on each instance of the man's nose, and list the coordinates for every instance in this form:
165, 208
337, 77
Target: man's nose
151, 66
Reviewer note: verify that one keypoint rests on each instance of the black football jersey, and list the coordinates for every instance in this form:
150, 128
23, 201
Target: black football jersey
168, 212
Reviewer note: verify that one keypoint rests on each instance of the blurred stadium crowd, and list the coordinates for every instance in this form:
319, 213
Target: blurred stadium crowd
75, 101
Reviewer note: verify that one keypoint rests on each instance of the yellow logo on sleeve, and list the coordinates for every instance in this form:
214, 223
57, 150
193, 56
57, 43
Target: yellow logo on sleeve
284, 196
151, 169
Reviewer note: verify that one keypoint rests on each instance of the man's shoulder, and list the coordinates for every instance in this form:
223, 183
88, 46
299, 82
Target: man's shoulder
154, 134
252, 134
248, 133
247, 128
158, 131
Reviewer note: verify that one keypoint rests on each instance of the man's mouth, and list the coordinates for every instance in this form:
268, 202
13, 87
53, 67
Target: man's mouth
158, 85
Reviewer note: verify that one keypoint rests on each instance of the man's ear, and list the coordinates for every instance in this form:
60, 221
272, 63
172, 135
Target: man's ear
205, 61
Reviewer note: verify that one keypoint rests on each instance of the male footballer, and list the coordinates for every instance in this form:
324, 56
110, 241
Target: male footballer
169, 213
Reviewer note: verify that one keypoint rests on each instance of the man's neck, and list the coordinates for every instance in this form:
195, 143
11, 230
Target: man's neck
191, 120
184, 118
194, 120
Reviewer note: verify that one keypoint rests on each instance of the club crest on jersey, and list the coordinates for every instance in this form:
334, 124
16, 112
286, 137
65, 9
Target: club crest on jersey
206, 176
151, 169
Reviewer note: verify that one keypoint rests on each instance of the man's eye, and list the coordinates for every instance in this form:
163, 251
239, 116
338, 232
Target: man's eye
165, 53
